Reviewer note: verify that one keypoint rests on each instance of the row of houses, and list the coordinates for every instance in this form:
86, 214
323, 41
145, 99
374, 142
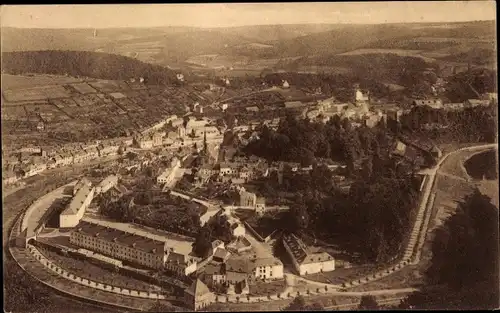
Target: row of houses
484, 100
31, 165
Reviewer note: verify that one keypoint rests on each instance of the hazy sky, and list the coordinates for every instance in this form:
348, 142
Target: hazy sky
238, 14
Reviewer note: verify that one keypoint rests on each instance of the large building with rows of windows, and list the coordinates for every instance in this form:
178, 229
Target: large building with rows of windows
130, 247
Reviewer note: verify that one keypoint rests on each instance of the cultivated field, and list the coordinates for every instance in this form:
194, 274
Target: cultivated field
10, 82
105, 85
399, 52
36, 93
83, 88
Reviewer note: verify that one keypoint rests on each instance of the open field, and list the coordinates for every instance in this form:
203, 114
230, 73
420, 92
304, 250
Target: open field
105, 85
10, 82
402, 52
36, 93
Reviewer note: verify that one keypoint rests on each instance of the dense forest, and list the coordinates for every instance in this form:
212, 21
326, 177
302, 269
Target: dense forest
467, 85
465, 260
299, 140
86, 64
483, 165
372, 218
170, 213
216, 228
469, 125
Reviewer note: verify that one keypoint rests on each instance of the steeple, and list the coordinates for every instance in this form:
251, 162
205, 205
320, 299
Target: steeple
205, 142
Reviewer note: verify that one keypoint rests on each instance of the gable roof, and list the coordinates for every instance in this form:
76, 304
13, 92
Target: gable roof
239, 266
198, 288
317, 257
77, 201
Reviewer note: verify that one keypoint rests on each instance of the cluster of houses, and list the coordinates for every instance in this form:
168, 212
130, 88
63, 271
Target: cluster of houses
30, 161
168, 175
237, 272
485, 99
179, 132
237, 171
37, 160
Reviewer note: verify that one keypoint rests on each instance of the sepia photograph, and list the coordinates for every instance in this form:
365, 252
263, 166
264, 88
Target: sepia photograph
301, 156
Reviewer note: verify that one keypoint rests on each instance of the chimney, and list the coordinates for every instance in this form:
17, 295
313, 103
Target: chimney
97, 234
134, 244
115, 239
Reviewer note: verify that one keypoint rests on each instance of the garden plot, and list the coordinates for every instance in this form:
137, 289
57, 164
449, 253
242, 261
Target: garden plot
13, 113
83, 88
105, 86
48, 113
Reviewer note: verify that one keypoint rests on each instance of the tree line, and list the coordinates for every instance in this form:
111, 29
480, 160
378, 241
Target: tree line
87, 64
299, 140
476, 124
373, 217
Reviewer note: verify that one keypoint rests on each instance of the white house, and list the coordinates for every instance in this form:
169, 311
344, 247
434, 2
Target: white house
72, 215
307, 263
238, 230
108, 183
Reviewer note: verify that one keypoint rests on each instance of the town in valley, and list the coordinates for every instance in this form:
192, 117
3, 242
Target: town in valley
318, 165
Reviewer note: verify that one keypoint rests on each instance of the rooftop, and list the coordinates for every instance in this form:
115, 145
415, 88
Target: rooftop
114, 235
215, 268
300, 253
198, 288
77, 200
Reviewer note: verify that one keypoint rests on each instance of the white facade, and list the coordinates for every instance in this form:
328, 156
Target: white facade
238, 230
72, 215
269, 271
316, 267
360, 97
35, 169
307, 263
108, 183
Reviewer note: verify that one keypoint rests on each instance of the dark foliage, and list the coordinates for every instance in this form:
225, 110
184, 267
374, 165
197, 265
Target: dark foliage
299, 304
368, 303
469, 125
302, 141
87, 64
465, 260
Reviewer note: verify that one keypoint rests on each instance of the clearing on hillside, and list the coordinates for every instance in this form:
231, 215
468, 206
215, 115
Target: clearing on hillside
10, 82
